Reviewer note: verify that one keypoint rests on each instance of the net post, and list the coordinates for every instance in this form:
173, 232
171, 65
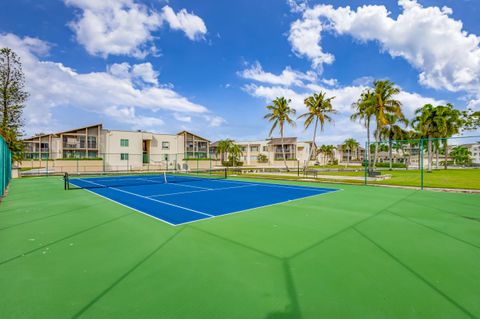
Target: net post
65, 181
225, 172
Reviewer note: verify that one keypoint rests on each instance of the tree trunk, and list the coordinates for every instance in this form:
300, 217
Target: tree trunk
348, 157
445, 149
429, 148
283, 150
313, 143
390, 152
437, 155
377, 138
368, 146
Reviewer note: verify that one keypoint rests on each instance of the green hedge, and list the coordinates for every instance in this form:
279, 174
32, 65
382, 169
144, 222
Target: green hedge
387, 165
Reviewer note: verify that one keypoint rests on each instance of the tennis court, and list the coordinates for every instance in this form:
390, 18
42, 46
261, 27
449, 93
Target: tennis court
362, 252
183, 197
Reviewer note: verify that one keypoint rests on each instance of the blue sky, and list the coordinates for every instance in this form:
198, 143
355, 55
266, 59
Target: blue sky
212, 66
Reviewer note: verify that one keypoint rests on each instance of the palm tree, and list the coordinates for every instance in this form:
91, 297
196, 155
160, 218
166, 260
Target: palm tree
385, 105
461, 155
437, 122
318, 109
279, 114
449, 123
363, 111
349, 145
329, 152
223, 147
392, 131
235, 151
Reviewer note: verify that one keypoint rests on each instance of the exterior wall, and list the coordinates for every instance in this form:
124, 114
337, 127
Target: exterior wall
475, 151
157, 156
252, 149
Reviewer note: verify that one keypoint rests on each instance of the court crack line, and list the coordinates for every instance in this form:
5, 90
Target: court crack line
432, 286
411, 220
350, 226
125, 275
64, 238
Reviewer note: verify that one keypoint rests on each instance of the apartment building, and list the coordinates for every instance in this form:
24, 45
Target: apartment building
119, 149
272, 150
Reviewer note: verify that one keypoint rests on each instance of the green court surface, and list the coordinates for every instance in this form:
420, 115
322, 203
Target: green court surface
364, 252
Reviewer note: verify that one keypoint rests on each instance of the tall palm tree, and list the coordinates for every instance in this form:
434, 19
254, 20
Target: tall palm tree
349, 145
384, 105
279, 114
318, 109
223, 147
392, 131
363, 112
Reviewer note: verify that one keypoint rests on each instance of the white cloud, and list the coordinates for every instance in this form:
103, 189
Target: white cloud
192, 25
288, 77
214, 120
446, 56
125, 27
182, 117
119, 90
128, 115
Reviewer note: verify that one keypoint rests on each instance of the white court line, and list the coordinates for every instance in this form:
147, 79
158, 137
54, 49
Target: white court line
278, 186
204, 190
263, 206
180, 184
152, 199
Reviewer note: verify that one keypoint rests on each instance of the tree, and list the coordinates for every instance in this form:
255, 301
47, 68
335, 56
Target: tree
262, 158
279, 114
222, 148
450, 122
471, 120
318, 109
363, 112
384, 106
12, 100
437, 122
349, 145
461, 155
234, 153
12, 92
392, 131
328, 152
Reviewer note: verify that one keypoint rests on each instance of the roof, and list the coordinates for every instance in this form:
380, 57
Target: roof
285, 140
187, 132
56, 133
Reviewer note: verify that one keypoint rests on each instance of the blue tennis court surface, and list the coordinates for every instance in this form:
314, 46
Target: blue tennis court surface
185, 202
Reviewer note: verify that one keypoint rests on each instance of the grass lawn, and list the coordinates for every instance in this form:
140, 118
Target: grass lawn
451, 178
363, 252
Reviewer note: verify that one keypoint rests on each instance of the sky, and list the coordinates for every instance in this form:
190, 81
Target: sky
212, 66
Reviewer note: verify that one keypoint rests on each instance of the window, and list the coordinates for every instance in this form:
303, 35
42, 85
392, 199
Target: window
254, 148
265, 148
124, 142
124, 156
165, 145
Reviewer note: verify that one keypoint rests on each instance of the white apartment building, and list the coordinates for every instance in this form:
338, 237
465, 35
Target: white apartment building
474, 149
272, 148
118, 150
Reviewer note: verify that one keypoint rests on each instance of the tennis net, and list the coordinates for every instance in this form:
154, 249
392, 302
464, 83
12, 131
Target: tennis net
121, 179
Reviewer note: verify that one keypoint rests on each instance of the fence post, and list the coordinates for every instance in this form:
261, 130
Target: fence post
366, 161
421, 163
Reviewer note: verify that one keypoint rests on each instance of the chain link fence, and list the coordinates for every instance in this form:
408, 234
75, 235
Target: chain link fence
449, 163
5, 166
